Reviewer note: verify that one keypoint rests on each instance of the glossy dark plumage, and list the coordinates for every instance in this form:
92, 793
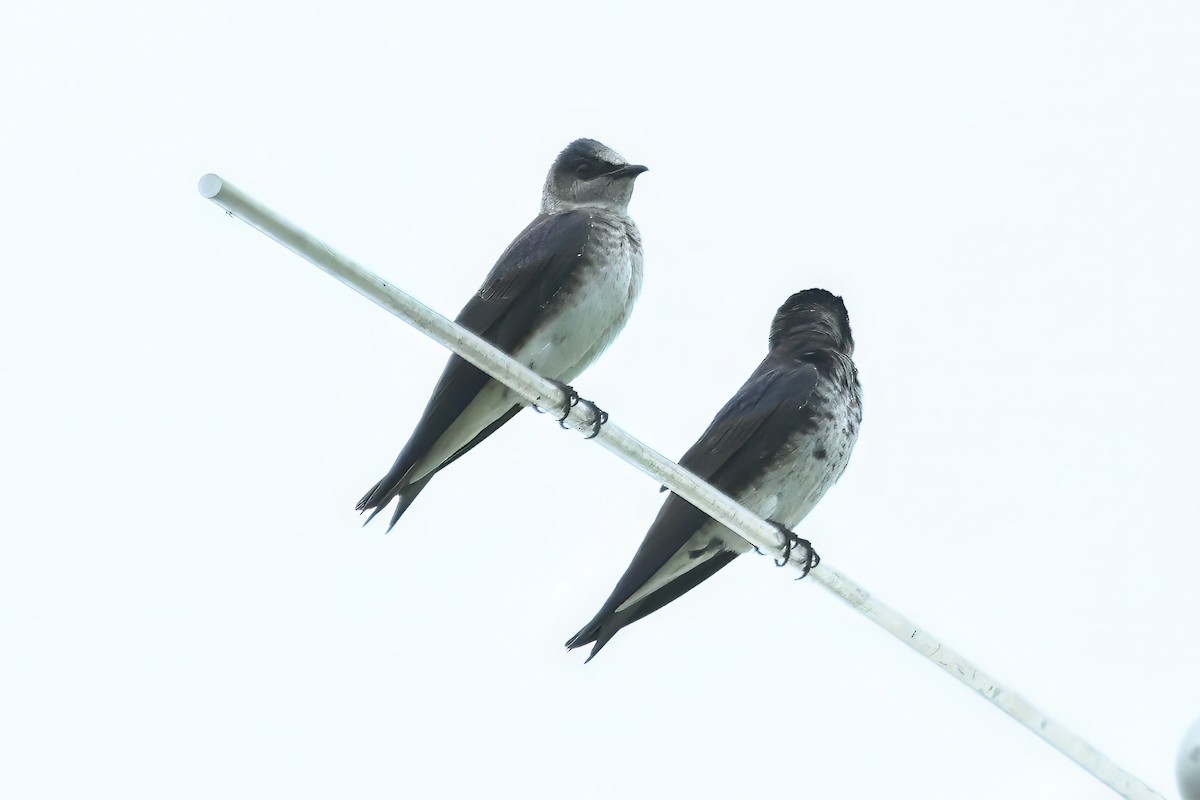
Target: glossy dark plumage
777, 446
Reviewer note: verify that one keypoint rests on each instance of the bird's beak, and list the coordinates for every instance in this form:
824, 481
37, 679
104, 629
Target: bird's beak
627, 171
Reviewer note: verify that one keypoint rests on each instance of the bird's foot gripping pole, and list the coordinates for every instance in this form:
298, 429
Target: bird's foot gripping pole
599, 417
790, 542
571, 399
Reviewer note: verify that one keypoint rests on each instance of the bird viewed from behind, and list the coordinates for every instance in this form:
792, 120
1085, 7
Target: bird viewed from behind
555, 300
776, 448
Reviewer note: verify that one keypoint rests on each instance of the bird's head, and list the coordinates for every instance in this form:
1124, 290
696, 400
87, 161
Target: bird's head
810, 320
587, 173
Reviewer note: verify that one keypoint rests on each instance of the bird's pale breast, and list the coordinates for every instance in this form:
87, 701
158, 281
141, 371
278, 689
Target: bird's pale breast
581, 321
593, 308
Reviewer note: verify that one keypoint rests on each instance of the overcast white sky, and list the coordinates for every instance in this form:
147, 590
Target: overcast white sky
1007, 199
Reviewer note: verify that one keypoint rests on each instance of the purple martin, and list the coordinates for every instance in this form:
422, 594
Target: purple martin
776, 447
555, 300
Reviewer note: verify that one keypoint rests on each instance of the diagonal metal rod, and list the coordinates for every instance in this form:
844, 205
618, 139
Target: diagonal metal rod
741, 521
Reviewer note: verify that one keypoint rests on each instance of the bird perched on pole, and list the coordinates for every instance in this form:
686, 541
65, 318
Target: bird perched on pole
776, 448
554, 301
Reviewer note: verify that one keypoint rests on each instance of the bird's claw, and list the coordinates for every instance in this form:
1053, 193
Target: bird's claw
599, 417
811, 559
570, 399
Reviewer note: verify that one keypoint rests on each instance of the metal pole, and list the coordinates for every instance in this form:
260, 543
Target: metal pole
720, 507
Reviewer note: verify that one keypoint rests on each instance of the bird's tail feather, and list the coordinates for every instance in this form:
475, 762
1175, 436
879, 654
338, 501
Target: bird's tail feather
396, 482
406, 493
365, 502
607, 623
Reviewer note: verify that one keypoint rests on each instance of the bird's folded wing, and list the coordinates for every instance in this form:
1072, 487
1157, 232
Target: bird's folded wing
744, 437
538, 265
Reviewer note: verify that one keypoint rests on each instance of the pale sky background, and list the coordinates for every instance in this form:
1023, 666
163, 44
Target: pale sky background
1008, 199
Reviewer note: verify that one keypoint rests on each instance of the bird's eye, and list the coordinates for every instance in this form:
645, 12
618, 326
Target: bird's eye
588, 168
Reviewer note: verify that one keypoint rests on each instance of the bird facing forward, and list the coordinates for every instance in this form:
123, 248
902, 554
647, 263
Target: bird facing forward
776, 448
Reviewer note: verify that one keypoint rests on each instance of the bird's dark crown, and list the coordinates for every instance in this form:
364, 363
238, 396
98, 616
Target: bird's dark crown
814, 319
585, 159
